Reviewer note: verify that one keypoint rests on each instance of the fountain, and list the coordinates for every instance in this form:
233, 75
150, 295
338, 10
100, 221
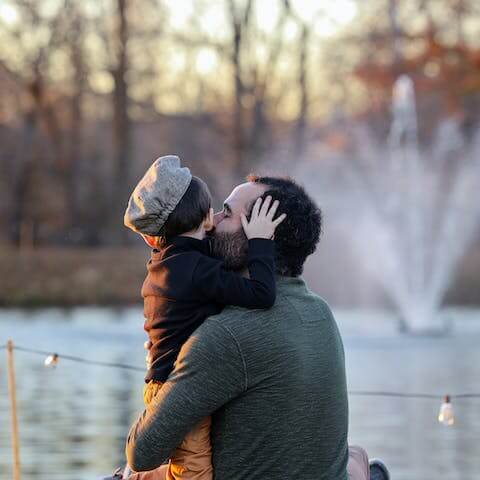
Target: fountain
416, 210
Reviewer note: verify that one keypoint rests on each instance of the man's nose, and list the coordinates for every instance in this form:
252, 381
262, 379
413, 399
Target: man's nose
217, 218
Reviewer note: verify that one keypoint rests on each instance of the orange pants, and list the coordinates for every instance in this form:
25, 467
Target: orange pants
357, 468
192, 460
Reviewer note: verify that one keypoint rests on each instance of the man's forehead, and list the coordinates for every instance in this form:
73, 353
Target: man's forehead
243, 195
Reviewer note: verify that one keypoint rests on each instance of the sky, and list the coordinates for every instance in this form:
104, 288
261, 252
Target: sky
330, 17
7, 13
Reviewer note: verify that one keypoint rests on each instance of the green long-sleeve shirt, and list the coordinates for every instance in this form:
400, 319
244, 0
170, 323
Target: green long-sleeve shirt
274, 383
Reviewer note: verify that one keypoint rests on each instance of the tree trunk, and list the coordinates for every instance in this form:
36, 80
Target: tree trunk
301, 124
75, 147
238, 127
122, 141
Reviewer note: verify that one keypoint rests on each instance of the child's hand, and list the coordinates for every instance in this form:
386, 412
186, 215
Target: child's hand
261, 223
148, 357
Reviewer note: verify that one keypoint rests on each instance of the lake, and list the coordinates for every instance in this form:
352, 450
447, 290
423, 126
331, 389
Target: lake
73, 418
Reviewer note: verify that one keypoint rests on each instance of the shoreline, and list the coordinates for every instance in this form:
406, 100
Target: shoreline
113, 276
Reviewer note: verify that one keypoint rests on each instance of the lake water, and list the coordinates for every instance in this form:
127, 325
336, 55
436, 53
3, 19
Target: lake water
73, 419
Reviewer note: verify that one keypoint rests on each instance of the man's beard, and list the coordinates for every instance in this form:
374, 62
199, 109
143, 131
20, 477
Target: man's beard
232, 248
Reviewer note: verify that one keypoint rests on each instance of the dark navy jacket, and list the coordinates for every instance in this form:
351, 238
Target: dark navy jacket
185, 285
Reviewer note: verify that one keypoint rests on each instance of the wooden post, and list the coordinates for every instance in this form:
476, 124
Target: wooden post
13, 409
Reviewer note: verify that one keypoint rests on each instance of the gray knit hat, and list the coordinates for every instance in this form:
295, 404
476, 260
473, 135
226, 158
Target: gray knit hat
156, 195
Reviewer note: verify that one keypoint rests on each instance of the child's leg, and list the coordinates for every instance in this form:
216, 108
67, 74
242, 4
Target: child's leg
358, 467
192, 460
149, 391
159, 473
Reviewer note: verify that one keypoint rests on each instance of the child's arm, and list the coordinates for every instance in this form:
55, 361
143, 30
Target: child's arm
229, 288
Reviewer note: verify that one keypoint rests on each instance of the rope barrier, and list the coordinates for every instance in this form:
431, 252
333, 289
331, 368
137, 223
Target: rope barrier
412, 395
364, 393
79, 359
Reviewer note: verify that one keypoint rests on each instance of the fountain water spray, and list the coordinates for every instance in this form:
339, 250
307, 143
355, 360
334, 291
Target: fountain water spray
417, 210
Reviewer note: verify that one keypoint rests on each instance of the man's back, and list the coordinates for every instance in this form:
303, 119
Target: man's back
274, 382
291, 420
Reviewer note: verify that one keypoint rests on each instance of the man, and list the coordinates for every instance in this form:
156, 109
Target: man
273, 380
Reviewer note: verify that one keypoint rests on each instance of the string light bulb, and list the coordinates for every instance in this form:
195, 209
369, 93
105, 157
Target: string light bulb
51, 360
445, 416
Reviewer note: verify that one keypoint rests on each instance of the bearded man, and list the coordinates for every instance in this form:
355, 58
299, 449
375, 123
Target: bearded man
273, 380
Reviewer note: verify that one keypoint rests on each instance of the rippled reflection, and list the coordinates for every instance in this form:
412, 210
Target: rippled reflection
74, 418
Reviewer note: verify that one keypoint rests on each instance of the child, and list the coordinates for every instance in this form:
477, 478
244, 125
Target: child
171, 209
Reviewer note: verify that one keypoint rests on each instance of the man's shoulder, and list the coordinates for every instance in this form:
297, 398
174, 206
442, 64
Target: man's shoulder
305, 297
233, 322
319, 301
228, 317
228, 325
286, 303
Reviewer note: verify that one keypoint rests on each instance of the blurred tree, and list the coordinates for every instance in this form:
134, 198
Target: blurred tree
40, 151
255, 60
122, 126
75, 45
127, 31
54, 55
420, 39
253, 98
100, 88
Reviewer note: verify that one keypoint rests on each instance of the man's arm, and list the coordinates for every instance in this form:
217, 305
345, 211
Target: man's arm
208, 373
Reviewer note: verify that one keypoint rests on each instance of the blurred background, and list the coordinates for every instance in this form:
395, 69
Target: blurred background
373, 106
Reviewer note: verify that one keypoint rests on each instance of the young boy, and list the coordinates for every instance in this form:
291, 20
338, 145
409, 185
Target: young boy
171, 209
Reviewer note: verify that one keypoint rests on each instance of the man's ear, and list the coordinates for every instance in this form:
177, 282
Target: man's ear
208, 222
150, 241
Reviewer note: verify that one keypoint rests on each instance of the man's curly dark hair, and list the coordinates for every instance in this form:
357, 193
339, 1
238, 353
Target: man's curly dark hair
298, 235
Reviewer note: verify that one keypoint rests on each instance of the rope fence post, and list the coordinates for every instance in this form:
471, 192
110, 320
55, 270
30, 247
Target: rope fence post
13, 410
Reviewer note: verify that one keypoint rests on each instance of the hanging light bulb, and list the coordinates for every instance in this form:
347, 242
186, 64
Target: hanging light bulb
445, 415
51, 360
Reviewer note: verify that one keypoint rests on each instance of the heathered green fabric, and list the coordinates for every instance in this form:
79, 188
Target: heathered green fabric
274, 381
